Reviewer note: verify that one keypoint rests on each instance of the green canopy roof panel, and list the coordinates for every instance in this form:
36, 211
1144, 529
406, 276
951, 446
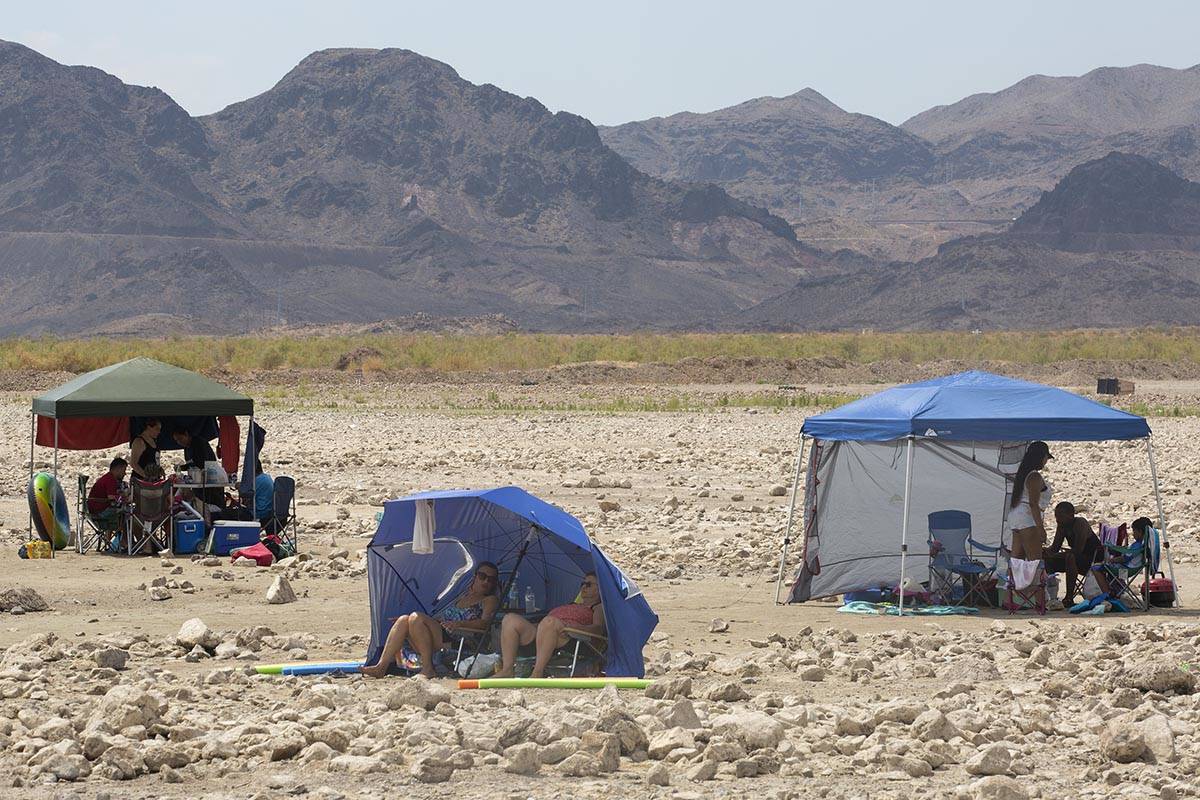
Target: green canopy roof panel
141, 387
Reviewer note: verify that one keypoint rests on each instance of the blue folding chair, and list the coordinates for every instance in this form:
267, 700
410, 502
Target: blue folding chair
957, 563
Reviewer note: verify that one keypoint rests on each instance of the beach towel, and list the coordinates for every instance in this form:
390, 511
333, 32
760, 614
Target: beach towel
863, 607
1024, 572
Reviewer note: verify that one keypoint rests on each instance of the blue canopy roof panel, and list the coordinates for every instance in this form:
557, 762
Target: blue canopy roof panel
976, 406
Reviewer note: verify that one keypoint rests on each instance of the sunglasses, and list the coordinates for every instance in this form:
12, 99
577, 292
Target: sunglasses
588, 583
487, 576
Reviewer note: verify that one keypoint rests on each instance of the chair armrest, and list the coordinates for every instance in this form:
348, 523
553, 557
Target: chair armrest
985, 548
585, 634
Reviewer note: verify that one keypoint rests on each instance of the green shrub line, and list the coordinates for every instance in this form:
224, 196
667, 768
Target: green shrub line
526, 351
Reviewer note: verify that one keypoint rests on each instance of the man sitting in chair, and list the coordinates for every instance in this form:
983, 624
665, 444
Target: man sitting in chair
585, 616
1086, 550
106, 498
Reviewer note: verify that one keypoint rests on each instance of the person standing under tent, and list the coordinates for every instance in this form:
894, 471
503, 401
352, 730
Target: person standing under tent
196, 451
143, 450
1031, 497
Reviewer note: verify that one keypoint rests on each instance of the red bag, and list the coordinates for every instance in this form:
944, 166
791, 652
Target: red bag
1161, 592
258, 553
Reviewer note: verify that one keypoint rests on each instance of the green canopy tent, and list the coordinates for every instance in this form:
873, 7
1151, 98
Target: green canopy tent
93, 411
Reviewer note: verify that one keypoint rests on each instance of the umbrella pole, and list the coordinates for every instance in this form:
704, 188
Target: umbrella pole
511, 580
787, 530
904, 523
1162, 520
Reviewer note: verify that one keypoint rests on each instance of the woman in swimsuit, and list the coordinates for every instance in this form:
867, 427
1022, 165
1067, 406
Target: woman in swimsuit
515, 631
473, 611
143, 451
1030, 499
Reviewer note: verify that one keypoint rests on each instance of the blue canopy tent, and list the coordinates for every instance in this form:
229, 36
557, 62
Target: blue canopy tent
882, 461
547, 547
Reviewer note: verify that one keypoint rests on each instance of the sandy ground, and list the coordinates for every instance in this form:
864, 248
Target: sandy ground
699, 529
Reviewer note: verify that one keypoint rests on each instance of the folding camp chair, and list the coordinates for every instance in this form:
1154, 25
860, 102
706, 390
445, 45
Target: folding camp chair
1032, 596
1126, 564
283, 516
149, 522
95, 532
955, 572
588, 652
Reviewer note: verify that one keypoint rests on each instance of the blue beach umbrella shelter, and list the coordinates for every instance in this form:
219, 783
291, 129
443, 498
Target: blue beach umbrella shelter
547, 547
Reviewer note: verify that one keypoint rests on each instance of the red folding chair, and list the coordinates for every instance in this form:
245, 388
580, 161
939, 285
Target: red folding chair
1032, 596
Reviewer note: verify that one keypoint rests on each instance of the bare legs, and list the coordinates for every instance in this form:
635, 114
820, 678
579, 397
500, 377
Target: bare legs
426, 636
549, 632
391, 649
516, 631
422, 630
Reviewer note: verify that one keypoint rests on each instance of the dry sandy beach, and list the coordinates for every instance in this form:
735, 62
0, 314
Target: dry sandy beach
793, 701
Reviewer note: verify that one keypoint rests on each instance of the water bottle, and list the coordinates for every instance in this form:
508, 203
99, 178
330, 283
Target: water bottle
512, 595
530, 600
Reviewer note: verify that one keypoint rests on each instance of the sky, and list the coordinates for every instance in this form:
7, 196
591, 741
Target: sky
618, 61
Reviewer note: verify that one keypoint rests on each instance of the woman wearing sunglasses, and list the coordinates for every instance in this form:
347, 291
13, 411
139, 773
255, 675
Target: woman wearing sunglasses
472, 611
586, 615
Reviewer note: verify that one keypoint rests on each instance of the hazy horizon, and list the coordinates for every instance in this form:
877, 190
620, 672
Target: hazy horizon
629, 62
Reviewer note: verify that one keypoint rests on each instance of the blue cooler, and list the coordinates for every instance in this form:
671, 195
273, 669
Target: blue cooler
229, 536
189, 535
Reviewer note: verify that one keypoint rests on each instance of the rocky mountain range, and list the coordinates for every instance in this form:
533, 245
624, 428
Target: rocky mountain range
1115, 243
378, 184
969, 166
366, 184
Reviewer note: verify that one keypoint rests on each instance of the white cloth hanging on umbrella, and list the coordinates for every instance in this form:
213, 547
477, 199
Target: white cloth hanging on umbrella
423, 525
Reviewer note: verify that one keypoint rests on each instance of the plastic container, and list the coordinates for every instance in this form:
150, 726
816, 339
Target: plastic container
228, 536
530, 600
189, 535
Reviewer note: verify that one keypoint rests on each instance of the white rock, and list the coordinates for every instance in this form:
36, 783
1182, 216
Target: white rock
1122, 743
998, 787
280, 591
358, 765
995, 759
523, 759
159, 593
681, 714
110, 658
124, 706
1159, 738
753, 729
419, 691
663, 742
195, 632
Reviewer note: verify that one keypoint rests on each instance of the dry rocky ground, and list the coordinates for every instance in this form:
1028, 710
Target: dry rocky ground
109, 693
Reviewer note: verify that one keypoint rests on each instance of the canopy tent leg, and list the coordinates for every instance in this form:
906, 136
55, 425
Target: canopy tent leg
55, 468
32, 439
787, 530
254, 466
1162, 520
904, 523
